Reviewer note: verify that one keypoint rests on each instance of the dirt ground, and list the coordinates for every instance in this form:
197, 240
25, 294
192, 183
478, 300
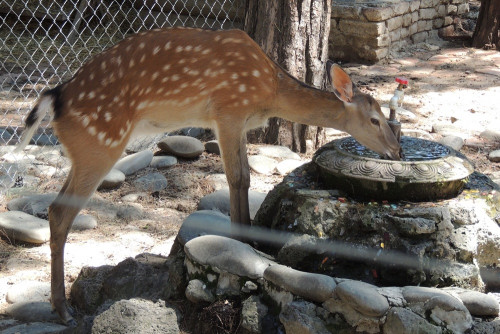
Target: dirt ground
449, 84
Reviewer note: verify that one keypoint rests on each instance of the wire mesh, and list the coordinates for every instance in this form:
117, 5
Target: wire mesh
43, 42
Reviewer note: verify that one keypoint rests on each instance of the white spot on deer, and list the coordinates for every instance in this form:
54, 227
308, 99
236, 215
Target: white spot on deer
85, 121
91, 130
94, 116
167, 46
175, 77
119, 60
143, 58
231, 63
91, 95
182, 61
156, 50
101, 136
197, 48
245, 74
92, 76
108, 142
266, 70
81, 96
99, 108
143, 73
245, 102
194, 72
142, 45
234, 76
155, 75
206, 51
70, 102
115, 143
254, 56
179, 49
131, 63
103, 65
107, 116
166, 67
188, 47
102, 96
217, 38
82, 83
159, 90
242, 88
256, 73
165, 79
116, 99
184, 85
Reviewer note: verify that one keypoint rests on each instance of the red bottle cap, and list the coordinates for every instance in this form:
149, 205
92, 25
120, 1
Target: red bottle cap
402, 80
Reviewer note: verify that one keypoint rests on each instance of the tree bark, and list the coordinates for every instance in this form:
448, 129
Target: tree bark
294, 33
487, 32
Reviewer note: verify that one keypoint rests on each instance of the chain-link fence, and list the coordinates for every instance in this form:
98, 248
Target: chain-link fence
43, 42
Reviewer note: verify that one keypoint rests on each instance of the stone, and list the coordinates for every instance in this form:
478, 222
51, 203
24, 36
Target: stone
479, 304
363, 297
21, 226
151, 182
112, 180
419, 37
36, 328
276, 151
401, 7
182, 146
204, 222
428, 13
300, 318
253, 312
449, 311
286, 166
228, 255
28, 291
362, 29
137, 316
296, 249
228, 284
32, 311
219, 200
192, 132
36, 205
377, 14
315, 287
454, 142
494, 156
197, 292
134, 162
84, 222
261, 164
134, 197
163, 161
403, 321
354, 318
410, 226
417, 294
212, 146
395, 23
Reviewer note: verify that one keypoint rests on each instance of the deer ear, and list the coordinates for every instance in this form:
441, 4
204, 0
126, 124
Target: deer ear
342, 85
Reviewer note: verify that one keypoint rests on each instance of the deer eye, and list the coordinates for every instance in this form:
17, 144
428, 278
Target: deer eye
375, 121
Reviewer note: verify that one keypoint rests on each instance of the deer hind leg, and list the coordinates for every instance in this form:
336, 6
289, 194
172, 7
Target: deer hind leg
232, 141
82, 181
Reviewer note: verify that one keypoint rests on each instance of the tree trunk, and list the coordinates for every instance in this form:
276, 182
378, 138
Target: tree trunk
294, 33
487, 32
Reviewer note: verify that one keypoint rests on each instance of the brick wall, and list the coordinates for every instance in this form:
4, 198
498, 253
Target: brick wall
369, 30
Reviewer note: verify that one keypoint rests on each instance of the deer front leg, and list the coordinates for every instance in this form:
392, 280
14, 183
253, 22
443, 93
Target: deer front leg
232, 141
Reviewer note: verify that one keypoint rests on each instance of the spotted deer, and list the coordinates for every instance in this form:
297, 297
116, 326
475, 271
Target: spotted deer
163, 80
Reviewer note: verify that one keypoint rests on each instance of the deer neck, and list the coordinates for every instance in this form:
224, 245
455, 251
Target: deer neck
300, 103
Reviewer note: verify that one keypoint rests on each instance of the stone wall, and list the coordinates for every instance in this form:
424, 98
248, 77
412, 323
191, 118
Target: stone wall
369, 30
